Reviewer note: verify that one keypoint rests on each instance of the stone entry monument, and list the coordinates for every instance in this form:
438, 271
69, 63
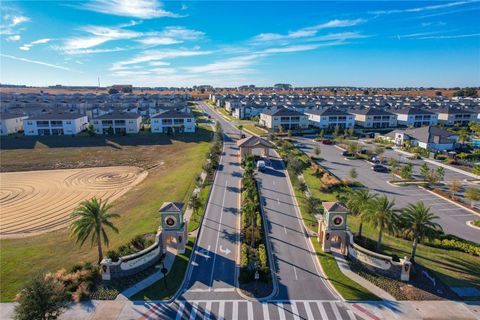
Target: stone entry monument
332, 226
173, 230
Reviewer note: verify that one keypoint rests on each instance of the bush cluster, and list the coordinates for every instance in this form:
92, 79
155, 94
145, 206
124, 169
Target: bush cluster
135, 245
454, 243
213, 155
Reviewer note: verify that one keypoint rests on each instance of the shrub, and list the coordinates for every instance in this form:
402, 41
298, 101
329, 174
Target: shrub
113, 255
456, 244
42, 298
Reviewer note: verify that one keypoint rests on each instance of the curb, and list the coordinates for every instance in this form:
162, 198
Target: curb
451, 201
471, 225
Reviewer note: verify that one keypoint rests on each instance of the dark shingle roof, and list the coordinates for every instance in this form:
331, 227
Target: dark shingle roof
430, 134
451, 110
411, 111
118, 115
282, 112
173, 114
57, 116
372, 112
334, 207
327, 112
7, 115
171, 207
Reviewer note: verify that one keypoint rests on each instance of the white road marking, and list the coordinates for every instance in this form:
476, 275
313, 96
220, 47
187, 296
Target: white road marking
193, 313
225, 251
266, 316
461, 215
281, 312
295, 271
335, 310
224, 290
285, 229
294, 311
235, 310
208, 307
351, 315
199, 290
180, 311
250, 310
218, 232
273, 181
278, 200
322, 310
221, 310
308, 310
453, 209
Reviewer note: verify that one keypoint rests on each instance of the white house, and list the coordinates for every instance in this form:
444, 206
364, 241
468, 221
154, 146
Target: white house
117, 123
11, 123
172, 121
54, 124
429, 138
416, 117
329, 118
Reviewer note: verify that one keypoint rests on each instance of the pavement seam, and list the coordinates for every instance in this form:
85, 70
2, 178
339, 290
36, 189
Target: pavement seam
451, 201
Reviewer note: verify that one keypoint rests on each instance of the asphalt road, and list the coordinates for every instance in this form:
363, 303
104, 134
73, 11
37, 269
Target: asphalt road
209, 291
452, 218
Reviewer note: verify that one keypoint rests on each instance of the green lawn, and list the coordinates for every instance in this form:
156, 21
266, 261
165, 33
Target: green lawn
174, 278
195, 219
253, 128
455, 268
225, 113
349, 289
314, 185
172, 181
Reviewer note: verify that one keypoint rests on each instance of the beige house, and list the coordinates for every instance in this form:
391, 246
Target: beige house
11, 123
249, 144
451, 116
283, 119
375, 118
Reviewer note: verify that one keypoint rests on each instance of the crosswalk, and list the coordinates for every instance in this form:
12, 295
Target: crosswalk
251, 310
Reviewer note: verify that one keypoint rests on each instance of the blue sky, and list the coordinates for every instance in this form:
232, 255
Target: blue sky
230, 43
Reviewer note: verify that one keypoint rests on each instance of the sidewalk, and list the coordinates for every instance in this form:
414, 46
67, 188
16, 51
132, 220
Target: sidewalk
145, 283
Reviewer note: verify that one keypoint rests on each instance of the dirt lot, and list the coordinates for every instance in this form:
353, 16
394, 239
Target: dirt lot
34, 202
65, 152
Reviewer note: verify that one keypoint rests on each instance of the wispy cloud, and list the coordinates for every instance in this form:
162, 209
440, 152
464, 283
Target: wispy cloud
11, 20
421, 9
28, 46
231, 65
308, 31
13, 38
35, 62
457, 36
171, 35
158, 55
142, 9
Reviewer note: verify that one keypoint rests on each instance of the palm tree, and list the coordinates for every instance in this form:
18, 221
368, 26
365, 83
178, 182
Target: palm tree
90, 220
417, 221
358, 202
382, 215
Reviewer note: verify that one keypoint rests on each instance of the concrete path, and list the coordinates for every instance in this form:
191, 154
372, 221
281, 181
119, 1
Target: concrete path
345, 268
145, 283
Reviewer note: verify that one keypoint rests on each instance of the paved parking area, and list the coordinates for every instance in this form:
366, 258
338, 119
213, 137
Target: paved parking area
452, 218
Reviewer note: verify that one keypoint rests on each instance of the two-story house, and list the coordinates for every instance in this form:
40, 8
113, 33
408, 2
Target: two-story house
416, 117
54, 124
329, 118
11, 123
172, 121
374, 118
450, 116
281, 119
117, 122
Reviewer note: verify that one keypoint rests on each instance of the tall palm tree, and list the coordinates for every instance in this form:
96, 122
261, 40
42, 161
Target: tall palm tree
417, 221
358, 203
90, 220
382, 215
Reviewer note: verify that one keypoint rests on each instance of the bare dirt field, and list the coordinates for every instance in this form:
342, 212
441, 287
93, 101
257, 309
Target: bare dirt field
35, 202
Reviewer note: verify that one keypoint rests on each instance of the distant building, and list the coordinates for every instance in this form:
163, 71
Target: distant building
172, 121
329, 118
282, 86
117, 123
277, 119
416, 117
374, 118
11, 123
55, 124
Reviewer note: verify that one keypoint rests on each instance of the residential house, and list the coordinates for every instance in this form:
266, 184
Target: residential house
11, 123
54, 124
415, 117
374, 118
451, 116
117, 122
172, 121
429, 138
281, 119
329, 118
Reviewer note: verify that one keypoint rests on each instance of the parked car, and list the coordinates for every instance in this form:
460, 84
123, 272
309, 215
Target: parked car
346, 154
242, 136
328, 142
379, 168
261, 165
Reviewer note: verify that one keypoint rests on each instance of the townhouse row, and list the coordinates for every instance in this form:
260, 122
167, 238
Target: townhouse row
282, 118
69, 123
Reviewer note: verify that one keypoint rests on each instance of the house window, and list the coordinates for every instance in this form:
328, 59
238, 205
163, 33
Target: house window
68, 122
189, 120
131, 121
29, 123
